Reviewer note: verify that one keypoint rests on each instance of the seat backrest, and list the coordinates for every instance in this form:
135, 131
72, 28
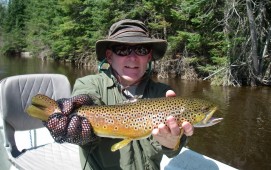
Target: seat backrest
16, 93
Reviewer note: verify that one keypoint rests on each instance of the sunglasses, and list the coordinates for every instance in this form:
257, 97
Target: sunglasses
125, 50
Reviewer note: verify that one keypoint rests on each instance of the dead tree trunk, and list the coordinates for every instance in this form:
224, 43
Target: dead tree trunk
267, 72
254, 45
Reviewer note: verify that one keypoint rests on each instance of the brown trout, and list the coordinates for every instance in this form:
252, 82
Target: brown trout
132, 120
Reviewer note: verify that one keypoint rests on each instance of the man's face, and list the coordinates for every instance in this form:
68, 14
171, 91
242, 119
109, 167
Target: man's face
130, 62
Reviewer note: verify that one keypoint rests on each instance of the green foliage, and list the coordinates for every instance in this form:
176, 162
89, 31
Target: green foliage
187, 40
14, 27
39, 24
210, 34
2, 15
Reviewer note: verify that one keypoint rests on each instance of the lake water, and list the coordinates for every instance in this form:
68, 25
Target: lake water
241, 140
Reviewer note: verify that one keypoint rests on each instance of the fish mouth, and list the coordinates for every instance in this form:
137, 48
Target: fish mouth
212, 121
209, 115
209, 120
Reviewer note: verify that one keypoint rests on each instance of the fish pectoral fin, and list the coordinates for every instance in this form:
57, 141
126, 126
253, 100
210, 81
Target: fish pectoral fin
121, 144
180, 136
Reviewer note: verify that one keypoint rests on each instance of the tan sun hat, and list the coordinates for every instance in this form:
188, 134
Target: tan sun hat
130, 32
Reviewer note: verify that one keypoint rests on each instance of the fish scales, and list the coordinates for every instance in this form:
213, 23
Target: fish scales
137, 119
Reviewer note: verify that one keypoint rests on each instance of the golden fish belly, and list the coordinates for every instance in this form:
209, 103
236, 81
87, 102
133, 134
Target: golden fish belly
117, 123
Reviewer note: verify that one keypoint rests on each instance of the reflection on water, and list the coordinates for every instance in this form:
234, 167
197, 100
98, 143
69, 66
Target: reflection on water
15, 66
241, 140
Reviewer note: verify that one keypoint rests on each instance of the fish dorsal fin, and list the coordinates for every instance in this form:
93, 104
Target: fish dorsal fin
131, 100
96, 100
121, 144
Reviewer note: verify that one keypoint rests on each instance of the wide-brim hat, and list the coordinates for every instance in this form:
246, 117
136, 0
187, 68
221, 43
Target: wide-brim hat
130, 32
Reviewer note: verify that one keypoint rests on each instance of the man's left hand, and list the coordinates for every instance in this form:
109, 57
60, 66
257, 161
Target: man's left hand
169, 134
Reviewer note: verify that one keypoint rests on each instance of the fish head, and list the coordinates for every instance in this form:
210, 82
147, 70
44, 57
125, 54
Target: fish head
204, 118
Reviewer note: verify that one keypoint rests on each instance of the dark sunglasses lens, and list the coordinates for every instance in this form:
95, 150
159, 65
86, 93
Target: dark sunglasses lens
121, 50
141, 50
124, 50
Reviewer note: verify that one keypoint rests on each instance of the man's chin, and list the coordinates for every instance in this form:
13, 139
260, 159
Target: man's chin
129, 80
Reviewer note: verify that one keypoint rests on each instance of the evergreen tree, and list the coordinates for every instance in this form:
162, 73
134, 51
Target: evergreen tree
38, 26
225, 41
14, 25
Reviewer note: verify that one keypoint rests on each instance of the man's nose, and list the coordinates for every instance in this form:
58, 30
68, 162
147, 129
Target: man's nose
133, 56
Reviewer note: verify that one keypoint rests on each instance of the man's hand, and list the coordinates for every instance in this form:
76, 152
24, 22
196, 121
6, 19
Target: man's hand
169, 134
65, 127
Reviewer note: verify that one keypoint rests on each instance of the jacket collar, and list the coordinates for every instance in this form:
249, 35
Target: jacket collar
112, 81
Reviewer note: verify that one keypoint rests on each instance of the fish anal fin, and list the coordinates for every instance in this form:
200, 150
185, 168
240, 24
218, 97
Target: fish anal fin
121, 144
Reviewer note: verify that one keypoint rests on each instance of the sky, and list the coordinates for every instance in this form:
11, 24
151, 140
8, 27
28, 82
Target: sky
3, 1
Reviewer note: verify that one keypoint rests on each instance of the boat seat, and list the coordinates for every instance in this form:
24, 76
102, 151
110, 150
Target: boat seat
28, 143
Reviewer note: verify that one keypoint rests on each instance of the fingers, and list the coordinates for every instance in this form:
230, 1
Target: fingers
78, 126
170, 93
173, 126
74, 127
167, 135
57, 124
82, 99
86, 128
66, 105
174, 129
188, 128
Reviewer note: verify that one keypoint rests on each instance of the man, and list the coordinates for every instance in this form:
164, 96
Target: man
128, 50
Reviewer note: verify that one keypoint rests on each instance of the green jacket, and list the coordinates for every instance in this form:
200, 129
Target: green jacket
139, 154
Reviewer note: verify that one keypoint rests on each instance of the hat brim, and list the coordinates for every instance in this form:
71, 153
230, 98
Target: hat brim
159, 46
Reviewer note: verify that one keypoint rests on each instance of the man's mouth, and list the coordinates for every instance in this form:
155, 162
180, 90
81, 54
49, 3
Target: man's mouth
131, 67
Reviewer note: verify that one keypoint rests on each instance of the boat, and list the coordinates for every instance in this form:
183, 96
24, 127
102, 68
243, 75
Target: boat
26, 144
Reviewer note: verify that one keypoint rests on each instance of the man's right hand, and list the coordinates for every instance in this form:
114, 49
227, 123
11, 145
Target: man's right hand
69, 127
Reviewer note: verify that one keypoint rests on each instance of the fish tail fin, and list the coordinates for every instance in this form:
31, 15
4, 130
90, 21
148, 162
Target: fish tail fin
42, 107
